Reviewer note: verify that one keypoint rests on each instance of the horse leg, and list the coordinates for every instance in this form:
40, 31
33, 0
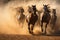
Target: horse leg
29, 28
46, 27
23, 22
32, 27
42, 26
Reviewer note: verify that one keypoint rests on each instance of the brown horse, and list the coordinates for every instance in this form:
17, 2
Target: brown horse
21, 16
45, 17
54, 18
32, 18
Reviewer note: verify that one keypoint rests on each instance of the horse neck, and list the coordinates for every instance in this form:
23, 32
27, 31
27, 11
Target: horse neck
21, 14
46, 12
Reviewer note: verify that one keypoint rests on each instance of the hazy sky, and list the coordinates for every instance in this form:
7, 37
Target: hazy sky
6, 1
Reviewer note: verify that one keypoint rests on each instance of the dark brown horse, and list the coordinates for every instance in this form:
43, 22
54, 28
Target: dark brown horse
45, 17
32, 18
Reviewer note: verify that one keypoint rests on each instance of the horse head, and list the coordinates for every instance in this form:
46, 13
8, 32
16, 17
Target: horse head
54, 11
21, 10
34, 9
46, 8
30, 9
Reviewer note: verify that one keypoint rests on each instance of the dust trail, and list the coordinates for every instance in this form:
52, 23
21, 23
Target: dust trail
8, 21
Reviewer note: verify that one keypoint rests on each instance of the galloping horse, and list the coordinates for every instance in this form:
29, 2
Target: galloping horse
45, 17
54, 18
32, 18
21, 16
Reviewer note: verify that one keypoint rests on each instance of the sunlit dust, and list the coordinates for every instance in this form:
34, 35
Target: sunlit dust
8, 20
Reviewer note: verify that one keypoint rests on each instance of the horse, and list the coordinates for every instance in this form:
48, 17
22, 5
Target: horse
30, 10
32, 18
21, 16
45, 17
54, 18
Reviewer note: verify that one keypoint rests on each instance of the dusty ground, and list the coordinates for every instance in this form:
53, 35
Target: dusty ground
28, 37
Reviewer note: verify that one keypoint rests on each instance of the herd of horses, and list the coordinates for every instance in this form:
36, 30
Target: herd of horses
32, 18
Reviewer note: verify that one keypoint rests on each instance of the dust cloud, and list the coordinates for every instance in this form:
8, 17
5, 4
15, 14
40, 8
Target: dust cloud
8, 21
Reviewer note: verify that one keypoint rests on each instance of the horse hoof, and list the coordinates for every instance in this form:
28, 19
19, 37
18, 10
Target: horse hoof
30, 32
42, 30
43, 34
